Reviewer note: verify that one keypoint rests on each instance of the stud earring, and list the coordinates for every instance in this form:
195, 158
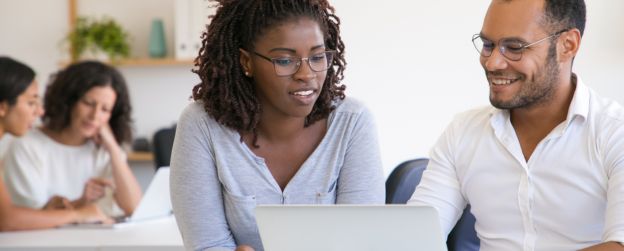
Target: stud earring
247, 74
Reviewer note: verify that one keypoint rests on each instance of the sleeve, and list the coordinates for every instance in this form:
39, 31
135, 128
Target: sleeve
24, 175
361, 179
439, 186
195, 188
614, 164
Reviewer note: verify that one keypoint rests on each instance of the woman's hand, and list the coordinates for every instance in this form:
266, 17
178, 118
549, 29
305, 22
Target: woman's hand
93, 191
90, 214
106, 138
58, 202
244, 248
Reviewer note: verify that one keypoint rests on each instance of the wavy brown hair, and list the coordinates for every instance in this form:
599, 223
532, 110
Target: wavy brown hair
227, 94
70, 85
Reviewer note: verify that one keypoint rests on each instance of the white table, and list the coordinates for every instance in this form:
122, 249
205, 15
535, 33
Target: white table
158, 235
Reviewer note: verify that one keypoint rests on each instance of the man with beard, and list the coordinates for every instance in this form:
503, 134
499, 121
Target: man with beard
544, 168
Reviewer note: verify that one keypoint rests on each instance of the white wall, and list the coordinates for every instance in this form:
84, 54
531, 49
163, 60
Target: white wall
411, 62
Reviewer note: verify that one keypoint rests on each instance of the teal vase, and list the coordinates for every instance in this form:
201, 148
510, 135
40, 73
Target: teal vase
157, 46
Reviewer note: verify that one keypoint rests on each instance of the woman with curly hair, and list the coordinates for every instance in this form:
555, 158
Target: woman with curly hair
270, 123
75, 159
19, 108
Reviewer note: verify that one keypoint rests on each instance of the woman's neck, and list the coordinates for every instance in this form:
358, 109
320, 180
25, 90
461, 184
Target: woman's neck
65, 136
280, 128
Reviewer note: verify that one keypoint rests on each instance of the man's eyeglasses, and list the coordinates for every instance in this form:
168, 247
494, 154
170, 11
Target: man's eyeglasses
286, 66
511, 48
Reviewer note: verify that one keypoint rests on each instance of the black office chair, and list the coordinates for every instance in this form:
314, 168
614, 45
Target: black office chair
400, 186
162, 145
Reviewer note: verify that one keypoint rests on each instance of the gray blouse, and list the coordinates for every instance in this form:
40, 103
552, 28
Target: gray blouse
216, 180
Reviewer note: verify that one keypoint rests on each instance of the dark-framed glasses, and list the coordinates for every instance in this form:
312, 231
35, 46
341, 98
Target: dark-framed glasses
286, 66
511, 48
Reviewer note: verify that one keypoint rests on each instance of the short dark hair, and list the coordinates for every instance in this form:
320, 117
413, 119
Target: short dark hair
564, 14
227, 94
70, 85
15, 78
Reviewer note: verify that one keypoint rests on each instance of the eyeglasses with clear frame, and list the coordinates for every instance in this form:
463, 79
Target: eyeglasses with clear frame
287, 66
511, 48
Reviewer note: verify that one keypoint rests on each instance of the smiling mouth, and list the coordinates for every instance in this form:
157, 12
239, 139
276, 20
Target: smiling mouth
303, 93
503, 81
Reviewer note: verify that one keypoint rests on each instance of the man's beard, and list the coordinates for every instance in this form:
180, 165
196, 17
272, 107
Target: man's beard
540, 89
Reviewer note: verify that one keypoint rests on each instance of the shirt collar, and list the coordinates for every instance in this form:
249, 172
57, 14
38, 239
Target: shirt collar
580, 101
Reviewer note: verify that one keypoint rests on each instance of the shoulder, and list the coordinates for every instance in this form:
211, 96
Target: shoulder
30, 140
476, 117
467, 125
606, 110
352, 118
26, 150
606, 117
197, 125
194, 114
351, 113
194, 109
350, 107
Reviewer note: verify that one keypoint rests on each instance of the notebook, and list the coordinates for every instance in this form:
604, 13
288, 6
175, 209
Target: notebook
349, 228
156, 203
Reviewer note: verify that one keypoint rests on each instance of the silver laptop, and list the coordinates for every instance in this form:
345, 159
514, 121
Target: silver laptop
349, 228
156, 203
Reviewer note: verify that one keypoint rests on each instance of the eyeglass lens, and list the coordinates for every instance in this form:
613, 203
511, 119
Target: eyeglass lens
512, 49
286, 66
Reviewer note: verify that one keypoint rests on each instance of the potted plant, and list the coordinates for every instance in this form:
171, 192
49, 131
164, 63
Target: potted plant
93, 36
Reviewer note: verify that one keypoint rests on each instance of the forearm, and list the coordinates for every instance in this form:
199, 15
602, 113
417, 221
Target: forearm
14, 218
19, 218
607, 246
127, 189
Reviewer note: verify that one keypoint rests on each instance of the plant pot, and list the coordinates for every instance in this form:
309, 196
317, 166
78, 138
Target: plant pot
95, 54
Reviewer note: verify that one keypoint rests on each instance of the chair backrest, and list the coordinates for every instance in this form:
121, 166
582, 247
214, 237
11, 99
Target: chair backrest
400, 186
403, 180
163, 143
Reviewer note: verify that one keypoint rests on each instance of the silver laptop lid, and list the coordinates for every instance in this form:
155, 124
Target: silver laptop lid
349, 227
156, 201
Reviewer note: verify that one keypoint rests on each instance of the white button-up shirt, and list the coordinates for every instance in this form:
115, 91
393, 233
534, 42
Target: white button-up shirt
569, 195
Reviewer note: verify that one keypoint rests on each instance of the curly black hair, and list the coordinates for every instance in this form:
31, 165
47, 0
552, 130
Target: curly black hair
227, 94
70, 85
15, 78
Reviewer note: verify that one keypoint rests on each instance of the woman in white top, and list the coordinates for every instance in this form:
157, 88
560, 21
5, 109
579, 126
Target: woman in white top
76, 155
19, 107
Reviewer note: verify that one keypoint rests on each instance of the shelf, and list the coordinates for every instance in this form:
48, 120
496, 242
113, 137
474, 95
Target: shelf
141, 62
153, 62
140, 156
